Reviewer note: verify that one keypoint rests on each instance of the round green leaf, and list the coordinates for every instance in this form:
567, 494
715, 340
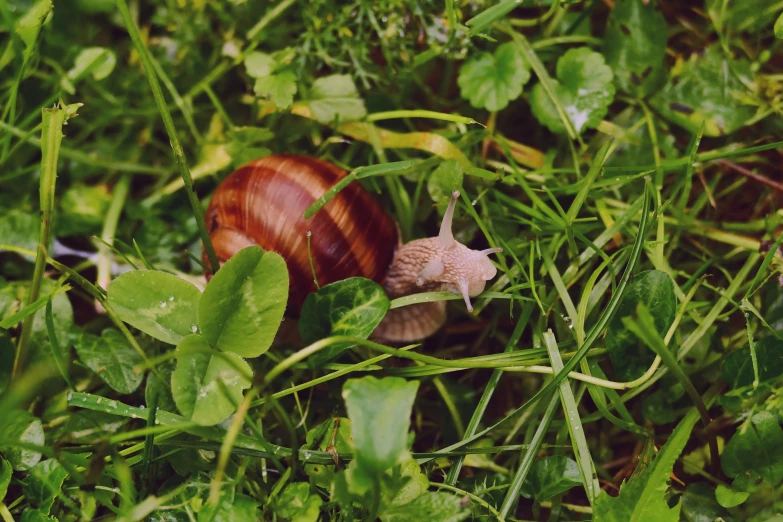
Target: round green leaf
353, 306
243, 304
779, 27
196, 382
99, 60
757, 448
630, 357
491, 81
444, 180
584, 89
112, 358
380, 411
728, 497
21, 426
159, 304
258, 64
635, 46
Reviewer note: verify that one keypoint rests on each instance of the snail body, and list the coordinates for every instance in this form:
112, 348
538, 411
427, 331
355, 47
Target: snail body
263, 203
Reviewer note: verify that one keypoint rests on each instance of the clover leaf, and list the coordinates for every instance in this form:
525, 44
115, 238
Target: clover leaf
584, 90
491, 81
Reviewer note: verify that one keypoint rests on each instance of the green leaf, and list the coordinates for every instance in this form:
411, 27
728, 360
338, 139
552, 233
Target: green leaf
83, 209
6, 361
112, 358
20, 229
201, 380
380, 413
258, 64
62, 320
412, 483
584, 89
335, 97
44, 483
756, 448
708, 89
730, 498
21, 426
630, 357
239, 509
99, 60
432, 507
492, 81
5, 477
779, 26
699, 505
353, 306
243, 146
279, 88
159, 304
642, 498
551, 476
297, 504
336, 432
29, 25
635, 46
737, 367
35, 515
444, 180
159, 392
243, 305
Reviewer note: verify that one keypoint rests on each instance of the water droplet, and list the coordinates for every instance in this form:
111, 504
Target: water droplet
163, 304
69, 396
100, 400
133, 416
84, 399
142, 407
309, 233
193, 328
306, 455
171, 298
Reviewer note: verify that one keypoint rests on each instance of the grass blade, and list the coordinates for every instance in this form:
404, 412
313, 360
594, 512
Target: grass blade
168, 122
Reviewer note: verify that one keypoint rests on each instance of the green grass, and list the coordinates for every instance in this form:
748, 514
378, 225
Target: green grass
624, 364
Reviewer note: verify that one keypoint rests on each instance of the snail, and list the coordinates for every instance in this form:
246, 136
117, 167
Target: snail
263, 202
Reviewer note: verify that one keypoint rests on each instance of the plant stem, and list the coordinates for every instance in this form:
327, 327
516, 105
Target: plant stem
51, 137
179, 154
109, 229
